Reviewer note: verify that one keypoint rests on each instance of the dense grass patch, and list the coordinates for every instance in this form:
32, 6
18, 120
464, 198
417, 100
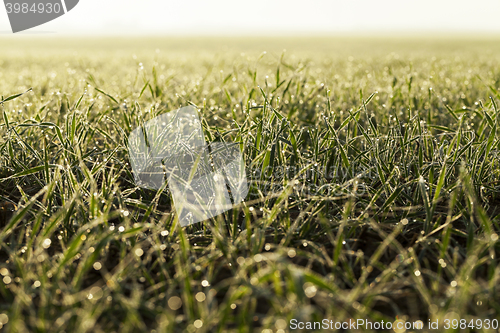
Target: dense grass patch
374, 184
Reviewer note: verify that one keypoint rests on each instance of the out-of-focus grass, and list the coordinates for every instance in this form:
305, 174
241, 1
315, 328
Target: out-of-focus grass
374, 183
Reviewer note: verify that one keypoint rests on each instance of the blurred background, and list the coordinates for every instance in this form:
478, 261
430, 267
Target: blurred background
278, 17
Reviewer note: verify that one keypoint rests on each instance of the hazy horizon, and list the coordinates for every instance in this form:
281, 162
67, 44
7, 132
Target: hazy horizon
273, 17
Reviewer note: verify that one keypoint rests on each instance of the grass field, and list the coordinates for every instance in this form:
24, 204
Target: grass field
373, 195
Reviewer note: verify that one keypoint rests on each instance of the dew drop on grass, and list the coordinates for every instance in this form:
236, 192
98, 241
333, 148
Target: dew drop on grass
310, 290
174, 303
200, 297
46, 243
4, 319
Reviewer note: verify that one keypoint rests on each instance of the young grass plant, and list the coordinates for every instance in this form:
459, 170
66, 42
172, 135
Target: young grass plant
378, 208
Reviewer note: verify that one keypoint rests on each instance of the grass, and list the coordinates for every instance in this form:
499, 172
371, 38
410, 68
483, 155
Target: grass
374, 184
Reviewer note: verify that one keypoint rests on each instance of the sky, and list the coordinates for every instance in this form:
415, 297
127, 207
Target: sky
261, 17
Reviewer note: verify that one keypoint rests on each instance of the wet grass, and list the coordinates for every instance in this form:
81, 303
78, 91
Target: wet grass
373, 195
